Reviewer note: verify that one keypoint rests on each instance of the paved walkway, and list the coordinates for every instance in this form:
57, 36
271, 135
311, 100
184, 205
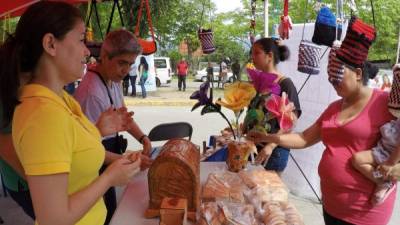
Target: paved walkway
168, 95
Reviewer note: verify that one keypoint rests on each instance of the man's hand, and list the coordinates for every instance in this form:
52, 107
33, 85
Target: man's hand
112, 121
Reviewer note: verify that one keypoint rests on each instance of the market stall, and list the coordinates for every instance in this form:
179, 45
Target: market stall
135, 199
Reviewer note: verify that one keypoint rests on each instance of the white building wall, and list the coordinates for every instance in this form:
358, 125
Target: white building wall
314, 98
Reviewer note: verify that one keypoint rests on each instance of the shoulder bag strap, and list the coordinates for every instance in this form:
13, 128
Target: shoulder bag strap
105, 85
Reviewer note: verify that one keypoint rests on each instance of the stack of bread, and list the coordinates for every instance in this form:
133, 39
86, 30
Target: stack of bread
226, 213
250, 197
223, 186
281, 214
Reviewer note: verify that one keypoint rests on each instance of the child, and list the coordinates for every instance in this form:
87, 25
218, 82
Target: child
377, 163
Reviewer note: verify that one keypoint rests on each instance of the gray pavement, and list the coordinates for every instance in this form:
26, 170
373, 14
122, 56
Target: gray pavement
170, 105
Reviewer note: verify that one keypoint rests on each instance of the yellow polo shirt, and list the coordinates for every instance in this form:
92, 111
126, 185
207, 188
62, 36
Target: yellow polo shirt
52, 135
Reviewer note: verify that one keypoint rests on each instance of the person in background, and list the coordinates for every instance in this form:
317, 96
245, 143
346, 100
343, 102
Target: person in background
132, 78
70, 88
125, 85
100, 90
223, 73
182, 69
375, 83
236, 70
52, 137
92, 63
210, 73
386, 85
144, 74
266, 54
346, 127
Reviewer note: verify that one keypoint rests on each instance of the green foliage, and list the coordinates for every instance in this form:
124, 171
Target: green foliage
176, 21
174, 56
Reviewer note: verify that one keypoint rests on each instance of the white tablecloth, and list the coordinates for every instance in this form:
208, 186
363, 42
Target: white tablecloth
135, 198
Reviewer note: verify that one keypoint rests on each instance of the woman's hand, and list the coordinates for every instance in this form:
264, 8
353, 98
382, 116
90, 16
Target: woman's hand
121, 171
256, 137
264, 154
146, 161
112, 121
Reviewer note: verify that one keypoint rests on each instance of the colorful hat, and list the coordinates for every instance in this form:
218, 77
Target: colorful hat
355, 46
394, 96
335, 66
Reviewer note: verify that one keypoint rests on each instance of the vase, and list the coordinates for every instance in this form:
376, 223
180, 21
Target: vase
238, 155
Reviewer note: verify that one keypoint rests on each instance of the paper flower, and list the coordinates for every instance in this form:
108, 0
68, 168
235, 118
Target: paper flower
264, 82
201, 95
237, 96
282, 109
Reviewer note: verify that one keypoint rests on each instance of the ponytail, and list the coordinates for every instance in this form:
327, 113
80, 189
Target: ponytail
369, 71
280, 52
21, 52
284, 52
9, 79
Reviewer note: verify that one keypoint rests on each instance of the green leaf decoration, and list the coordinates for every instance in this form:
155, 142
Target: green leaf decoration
209, 109
267, 127
197, 105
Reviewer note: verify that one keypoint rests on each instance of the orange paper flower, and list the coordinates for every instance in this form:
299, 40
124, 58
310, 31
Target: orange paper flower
237, 96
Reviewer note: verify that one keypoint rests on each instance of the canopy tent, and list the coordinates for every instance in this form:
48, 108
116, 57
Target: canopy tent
17, 7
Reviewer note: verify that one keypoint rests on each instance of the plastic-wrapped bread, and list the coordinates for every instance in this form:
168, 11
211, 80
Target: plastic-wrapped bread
274, 215
281, 213
261, 177
211, 214
223, 186
237, 213
292, 215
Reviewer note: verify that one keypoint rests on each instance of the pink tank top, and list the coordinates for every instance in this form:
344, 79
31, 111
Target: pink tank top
345, 191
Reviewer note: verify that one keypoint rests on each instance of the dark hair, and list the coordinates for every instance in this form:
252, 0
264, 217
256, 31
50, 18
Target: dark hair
280, 52
369, 71
21, 52
144, 63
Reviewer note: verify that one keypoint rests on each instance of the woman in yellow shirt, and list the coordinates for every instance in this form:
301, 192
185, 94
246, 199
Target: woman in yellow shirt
59, 148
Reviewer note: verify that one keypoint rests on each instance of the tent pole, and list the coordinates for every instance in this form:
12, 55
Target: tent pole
398, 48
266, 23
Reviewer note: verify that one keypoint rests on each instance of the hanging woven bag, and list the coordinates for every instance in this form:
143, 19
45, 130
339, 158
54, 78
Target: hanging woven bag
325, 28
149, 46
207, 40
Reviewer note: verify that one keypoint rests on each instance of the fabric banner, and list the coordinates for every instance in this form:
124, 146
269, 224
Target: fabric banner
17, 7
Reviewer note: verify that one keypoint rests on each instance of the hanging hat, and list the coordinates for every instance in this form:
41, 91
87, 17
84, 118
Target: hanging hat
335, 66
355, 46
394, 96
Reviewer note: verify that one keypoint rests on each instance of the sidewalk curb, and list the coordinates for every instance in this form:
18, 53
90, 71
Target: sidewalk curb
158, 102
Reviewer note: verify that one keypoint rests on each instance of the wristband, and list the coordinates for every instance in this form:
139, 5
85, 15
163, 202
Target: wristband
141, 138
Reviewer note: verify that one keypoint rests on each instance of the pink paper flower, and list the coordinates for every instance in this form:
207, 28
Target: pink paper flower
264, 82
282, 109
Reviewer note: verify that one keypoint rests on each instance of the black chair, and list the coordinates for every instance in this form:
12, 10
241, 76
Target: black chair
166, 131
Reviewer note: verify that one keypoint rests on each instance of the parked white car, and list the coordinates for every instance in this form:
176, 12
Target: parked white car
163, 70
201, 75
